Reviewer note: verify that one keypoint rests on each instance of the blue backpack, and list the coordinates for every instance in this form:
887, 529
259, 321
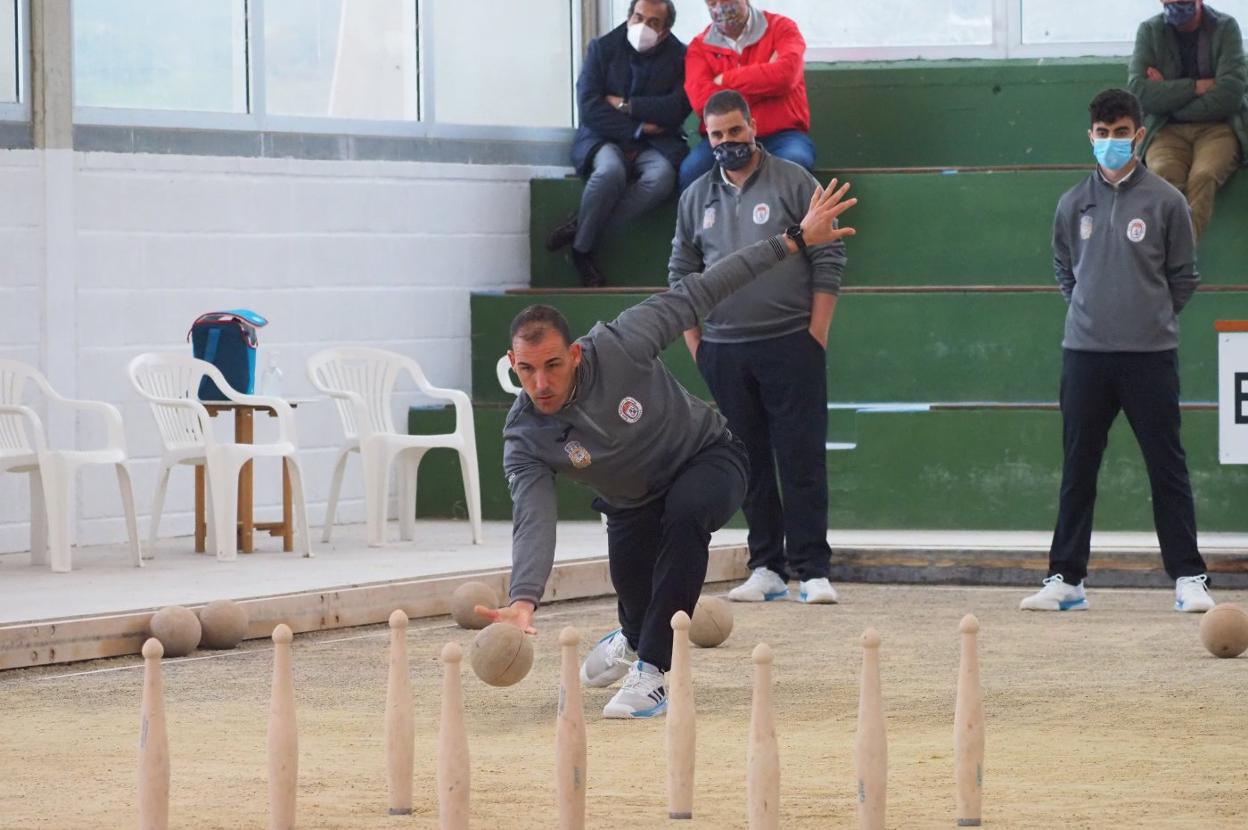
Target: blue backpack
227, 340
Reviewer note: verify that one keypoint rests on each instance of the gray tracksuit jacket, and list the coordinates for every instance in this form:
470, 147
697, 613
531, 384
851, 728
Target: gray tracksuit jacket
715, 219
1125, 259
629, 427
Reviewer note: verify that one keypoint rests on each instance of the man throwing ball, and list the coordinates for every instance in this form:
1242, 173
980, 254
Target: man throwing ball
604, 411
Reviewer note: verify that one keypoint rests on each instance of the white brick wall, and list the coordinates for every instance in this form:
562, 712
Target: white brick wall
381, 253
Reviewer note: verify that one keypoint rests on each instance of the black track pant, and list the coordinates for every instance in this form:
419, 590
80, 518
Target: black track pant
658, 552
774, 394
1144, 385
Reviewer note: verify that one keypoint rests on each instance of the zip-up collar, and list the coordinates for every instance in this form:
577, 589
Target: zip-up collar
1126, 183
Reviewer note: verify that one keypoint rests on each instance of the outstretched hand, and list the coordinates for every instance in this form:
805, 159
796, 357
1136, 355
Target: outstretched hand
519, 614
827, 203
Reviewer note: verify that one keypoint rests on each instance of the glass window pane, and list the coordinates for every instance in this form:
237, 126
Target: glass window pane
341, 58
8, 51
171, 54
1104, 21
502, 62
883, 23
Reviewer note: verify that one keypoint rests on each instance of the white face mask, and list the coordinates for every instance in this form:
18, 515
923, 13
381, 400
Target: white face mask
642, 37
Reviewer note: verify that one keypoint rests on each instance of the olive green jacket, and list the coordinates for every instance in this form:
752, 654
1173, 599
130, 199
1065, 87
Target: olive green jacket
1157, 45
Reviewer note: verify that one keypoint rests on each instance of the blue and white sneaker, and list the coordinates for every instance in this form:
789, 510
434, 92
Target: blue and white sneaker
817, 592
1056, 595
608, 660
641, 696
1191, 594
764, 585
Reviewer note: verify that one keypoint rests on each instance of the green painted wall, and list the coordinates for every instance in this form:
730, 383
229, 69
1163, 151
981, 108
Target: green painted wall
955, 113
984, 228
949, 346
968, 470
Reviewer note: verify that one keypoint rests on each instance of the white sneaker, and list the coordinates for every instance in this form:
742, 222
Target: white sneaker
764, 585
607, 661
1192, 595
817, 592
1056, 595
641, 696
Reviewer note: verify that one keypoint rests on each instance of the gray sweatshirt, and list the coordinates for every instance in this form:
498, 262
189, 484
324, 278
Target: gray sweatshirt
1125, 259
629, 427
715, 219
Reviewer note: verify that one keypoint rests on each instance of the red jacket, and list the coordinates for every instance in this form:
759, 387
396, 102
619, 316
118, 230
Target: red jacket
775, 90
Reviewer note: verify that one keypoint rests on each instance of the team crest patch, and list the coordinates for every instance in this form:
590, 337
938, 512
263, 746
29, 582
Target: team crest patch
1136, 230
762, 212
630, 410
1085, 227
708, 218
578, 455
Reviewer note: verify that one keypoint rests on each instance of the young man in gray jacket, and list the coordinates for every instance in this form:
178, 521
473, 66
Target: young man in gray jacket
1125, 256
605, 412
762, 352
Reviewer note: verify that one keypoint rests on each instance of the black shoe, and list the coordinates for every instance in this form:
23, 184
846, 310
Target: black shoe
591, 277
562, 234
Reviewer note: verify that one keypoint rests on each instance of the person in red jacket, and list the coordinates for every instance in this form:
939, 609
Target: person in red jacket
762, 56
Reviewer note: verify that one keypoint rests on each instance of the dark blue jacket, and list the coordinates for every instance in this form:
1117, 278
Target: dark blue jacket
653, 83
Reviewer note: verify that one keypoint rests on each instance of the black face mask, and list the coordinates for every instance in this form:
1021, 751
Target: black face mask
733, 155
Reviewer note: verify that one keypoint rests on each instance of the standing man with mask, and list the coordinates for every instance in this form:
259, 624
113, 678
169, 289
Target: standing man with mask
1188, 72
1125, 258
605, 412
631, 139
762, 351
762, 56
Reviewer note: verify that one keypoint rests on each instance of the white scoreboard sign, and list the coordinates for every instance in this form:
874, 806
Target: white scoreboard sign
1233, 393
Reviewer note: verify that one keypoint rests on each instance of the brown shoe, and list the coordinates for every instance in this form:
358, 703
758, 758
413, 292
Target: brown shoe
591, 277
562, 235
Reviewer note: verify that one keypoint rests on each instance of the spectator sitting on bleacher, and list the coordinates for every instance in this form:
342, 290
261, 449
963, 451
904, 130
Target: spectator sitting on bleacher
1188, 72
631, 138
762, 56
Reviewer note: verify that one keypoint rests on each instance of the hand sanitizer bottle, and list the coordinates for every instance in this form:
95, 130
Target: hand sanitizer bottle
271, 380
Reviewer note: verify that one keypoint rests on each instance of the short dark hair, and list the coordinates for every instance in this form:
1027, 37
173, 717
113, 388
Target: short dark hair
532, 324
1112, 104
724, 102
671, 10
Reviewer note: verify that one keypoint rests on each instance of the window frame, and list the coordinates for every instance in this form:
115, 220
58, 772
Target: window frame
259, 120
19, 111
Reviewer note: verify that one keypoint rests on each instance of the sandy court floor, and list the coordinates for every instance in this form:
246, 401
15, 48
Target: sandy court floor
1116, 718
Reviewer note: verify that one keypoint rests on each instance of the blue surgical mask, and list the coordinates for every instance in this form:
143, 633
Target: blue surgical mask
1180, 14
1112, 153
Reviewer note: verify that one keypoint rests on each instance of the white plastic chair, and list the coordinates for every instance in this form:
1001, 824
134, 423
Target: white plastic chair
24, 449
361, 383
503, 370
170, 384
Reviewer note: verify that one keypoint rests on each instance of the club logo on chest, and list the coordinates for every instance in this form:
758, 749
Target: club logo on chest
630, 410
578, 455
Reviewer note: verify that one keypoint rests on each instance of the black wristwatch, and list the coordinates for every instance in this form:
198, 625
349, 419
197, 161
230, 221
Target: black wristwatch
794, 232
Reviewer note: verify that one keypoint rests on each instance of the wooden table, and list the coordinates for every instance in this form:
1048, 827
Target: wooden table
244, 433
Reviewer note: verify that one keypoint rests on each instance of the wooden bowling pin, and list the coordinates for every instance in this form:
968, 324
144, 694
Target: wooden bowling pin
153, 744
871, 740
570, 736
453, 771
283, 738
763, 756
681, 740
968, 729
400, 725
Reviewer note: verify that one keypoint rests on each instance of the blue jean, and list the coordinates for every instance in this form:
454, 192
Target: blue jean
793, 145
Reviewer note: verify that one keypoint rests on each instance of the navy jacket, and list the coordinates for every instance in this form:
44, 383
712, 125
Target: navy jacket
653, 83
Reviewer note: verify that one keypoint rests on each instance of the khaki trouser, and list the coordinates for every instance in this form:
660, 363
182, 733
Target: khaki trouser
1197, 158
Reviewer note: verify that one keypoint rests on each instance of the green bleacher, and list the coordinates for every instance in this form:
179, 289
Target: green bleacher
949, 300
